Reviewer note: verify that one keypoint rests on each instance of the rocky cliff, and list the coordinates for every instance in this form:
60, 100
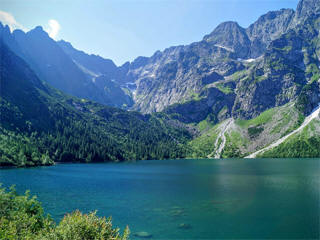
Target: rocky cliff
263, 66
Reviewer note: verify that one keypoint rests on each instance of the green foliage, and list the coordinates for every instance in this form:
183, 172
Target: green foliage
205, 124
238, 75
315, 77
313, 71
300, 145
255, 131
22, 217
260, 78
192, 96
107, 135
223, 88
285, 48
39, 123
234, 142
18, 150
231, 151
78, 226
296, 124
263, 118
195, 96
277, 122
291, 119
203, 145
305, 96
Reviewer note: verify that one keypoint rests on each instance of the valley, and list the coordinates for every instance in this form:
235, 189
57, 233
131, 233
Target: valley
236, 92
218, 138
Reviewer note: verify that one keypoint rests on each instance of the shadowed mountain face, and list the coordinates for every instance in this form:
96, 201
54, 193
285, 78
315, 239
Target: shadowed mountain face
93, 65
42, 121
103, 74
51, 64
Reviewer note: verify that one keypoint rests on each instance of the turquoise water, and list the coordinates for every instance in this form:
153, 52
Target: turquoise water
270, 198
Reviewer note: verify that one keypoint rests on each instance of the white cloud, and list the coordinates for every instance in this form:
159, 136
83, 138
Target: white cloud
7, 19
54, 28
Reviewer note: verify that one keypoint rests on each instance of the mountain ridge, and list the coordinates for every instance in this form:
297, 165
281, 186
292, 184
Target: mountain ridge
51, 64
192, 64
242, 74
41, 125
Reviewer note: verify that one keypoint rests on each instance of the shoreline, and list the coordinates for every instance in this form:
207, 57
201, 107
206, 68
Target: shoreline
134, 161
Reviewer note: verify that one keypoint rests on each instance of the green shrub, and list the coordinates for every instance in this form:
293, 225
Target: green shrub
22, 217
255, 131
80, 226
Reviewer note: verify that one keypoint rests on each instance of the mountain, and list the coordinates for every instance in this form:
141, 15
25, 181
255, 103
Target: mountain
51, 64
234, 138
178, 74
305, 9
276, 95
92, 64
232, 37
236, 74
183, 73
267, 28
102, 72
41, 125
233, 93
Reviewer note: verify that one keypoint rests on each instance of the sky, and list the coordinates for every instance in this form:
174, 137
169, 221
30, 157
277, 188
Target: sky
122, 30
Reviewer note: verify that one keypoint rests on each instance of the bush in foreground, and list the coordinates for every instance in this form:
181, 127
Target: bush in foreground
22, 217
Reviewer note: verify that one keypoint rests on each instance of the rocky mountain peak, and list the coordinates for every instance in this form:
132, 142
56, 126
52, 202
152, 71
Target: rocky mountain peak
267, 28
4, 29
228, 27
139, 61
38, 32
305, 9
230, 36
64, 43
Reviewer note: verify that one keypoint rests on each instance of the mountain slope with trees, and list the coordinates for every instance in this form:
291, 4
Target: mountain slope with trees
234, 74
40, 125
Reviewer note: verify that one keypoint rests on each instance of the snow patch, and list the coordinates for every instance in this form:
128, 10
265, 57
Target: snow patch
246, 60
226, 48
250, 60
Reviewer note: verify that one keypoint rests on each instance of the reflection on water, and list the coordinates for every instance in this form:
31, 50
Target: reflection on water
270, 198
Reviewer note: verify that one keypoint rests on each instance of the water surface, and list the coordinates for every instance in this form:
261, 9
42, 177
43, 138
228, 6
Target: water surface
194, 199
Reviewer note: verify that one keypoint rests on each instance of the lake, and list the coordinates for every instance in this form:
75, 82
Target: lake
179, 199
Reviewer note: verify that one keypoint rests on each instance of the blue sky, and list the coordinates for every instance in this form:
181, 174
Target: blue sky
125, 29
